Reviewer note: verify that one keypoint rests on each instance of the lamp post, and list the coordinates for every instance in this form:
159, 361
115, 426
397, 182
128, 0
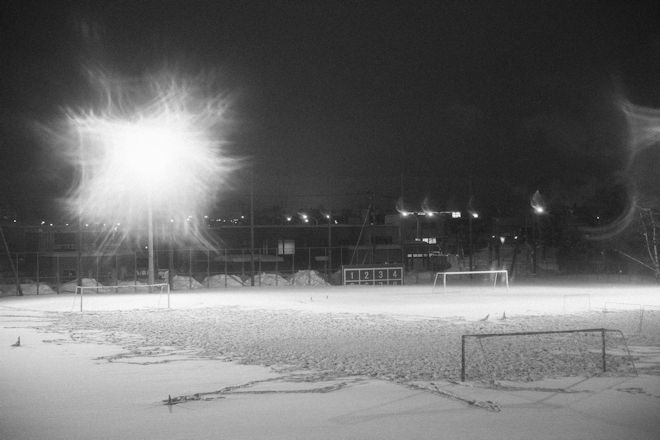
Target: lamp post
150, 241
538, 209
472, 215
329, 218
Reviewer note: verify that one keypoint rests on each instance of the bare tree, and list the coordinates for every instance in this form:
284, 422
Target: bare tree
649, 225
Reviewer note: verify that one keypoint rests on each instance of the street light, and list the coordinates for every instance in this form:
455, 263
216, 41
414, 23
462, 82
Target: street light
538, 209
472, 215
305, 218
156, 149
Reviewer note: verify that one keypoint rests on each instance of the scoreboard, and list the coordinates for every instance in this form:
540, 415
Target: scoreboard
372, 275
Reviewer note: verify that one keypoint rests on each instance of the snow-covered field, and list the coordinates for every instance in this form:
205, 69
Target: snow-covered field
332, 362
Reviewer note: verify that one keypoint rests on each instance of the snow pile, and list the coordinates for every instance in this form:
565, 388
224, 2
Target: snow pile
221, 281
70, 287
180, 282
27, 289
270, 279
31, 289
308, 278
130, 287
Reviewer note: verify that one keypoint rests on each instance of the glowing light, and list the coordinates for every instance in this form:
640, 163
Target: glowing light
538, 203
426, 208
475, 214
157, 144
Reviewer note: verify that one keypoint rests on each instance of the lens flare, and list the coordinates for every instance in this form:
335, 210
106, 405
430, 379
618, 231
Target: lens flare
643, 135
538, 203
157, 142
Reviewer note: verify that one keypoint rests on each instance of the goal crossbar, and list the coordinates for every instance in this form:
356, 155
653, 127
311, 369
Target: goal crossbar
469, 272
105, 289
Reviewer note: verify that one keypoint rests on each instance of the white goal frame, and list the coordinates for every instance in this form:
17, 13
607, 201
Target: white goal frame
468, 272
105, 289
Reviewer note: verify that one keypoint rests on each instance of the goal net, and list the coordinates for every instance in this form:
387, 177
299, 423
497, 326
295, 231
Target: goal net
159, 288
495, 276
531, 356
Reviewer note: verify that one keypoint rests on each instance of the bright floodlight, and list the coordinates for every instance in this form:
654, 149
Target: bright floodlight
158, 143
152, 151
538, 203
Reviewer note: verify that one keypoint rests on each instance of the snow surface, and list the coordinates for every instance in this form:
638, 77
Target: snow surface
330, 363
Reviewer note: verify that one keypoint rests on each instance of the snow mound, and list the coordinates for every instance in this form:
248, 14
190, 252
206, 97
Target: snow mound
270, 279
31, 289
308, 278
27, 289
216, 281
130, 287
180, 282
70, 287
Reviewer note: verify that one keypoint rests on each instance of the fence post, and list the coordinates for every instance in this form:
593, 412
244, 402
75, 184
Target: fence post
277, 265
225, 267
135, 272
97, 273
208, 267
190, 269
260, 268
309, 266
38, 273
18, 279
462, 358
57, 274
602, 335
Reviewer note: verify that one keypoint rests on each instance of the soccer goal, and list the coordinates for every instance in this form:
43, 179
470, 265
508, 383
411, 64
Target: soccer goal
444, 275
159, 288
537, 354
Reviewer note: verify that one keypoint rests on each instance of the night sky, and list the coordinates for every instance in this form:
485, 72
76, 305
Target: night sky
344, 104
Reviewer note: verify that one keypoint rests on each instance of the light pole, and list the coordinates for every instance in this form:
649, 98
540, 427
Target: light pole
150, 242
472, 215
329, 218
538, 209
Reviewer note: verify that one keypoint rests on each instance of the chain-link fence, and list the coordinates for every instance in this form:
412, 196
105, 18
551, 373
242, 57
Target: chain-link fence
45, 272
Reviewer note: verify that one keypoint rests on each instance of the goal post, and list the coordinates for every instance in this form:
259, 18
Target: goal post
444, 275
137, 288
549, 349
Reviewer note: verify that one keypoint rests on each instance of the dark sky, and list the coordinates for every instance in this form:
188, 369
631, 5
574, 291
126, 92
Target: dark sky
338, 102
